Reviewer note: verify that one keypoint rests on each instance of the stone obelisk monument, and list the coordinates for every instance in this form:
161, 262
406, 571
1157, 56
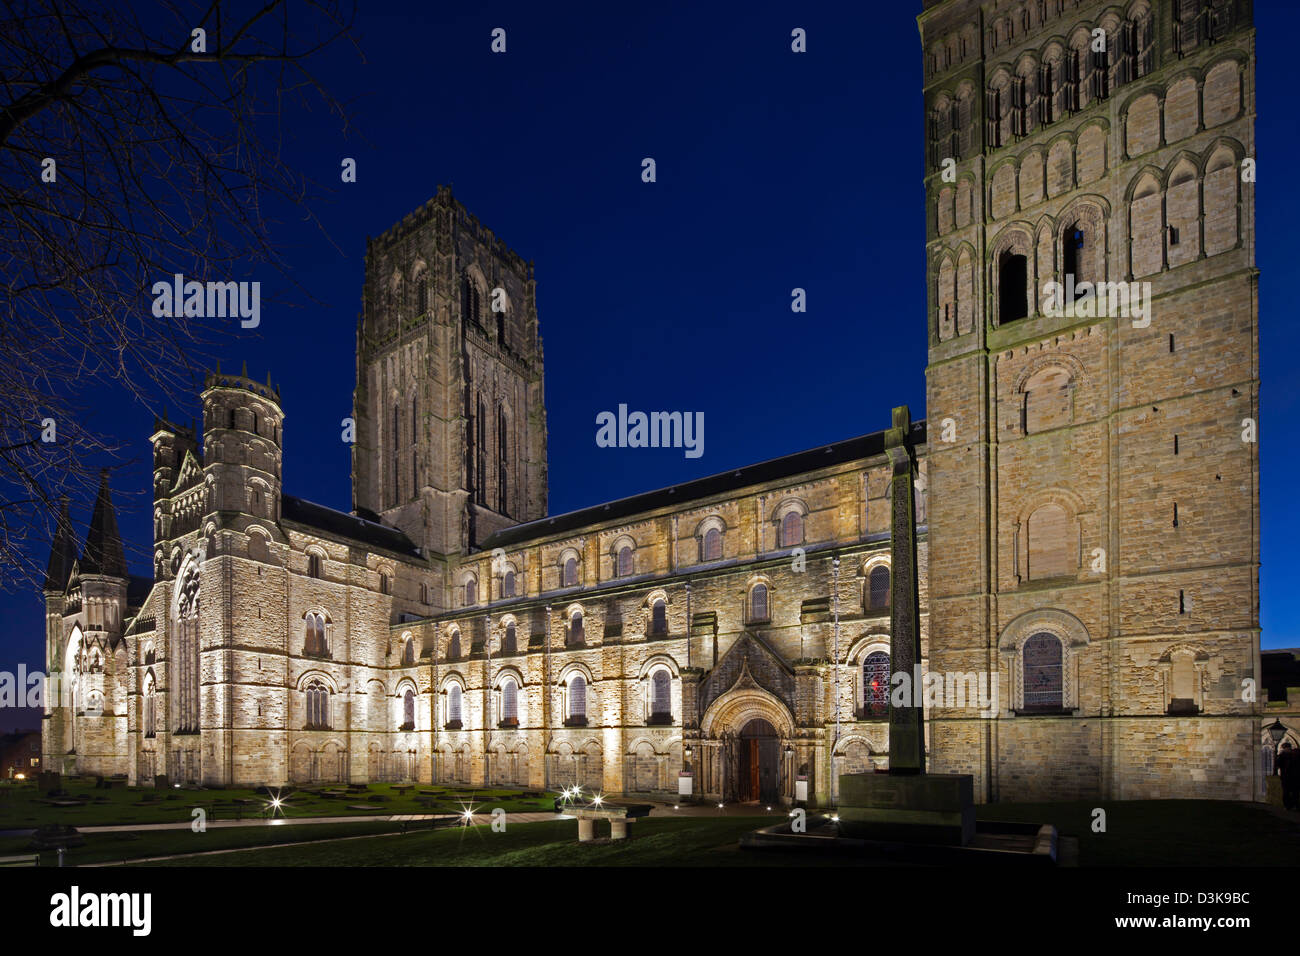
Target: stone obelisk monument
906, 723
907, 804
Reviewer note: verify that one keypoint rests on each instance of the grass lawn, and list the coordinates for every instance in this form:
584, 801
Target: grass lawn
21, 804
115, 847
1165, 832
656, 841
1138, 833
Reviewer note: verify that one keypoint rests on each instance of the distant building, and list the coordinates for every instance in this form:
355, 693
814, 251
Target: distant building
1281, 679
20, 753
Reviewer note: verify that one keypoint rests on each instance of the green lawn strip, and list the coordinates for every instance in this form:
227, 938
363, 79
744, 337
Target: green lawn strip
22, 806
666, 841
115, 847
1164, 832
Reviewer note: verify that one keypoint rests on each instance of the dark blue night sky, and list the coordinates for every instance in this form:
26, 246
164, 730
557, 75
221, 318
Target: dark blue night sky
775, 171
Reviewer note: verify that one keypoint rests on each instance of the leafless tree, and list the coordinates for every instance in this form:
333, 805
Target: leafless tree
137, 140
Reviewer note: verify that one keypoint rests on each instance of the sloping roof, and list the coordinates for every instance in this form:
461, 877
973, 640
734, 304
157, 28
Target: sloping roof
342, 525
103, 553
775, 469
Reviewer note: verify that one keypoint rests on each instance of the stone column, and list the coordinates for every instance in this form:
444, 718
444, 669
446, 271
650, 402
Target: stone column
906, 741
617, 828
586, 829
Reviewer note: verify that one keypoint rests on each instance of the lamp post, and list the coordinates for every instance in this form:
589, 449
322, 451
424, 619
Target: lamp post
1276, 730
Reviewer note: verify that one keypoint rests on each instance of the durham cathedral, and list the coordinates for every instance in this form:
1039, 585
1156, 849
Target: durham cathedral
1087, 500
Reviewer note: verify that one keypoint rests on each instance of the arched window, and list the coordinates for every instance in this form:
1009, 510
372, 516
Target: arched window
1013, 277
509, 702
659, 617
503, 444
453, 707
509, 643
313, 564
469, 299
577, 699
408, 653
624, 561
508, 584
661, 701
878, 588
1048, 400
421, 295
570, 572
453, 646
471, 591
396, 436
758, 603
316, 644
712, 546
576, 633
318, 706
1182, 684
1051, 545
150, 708
875, 684
1073, 257
408, 710
385, 583
424, 593
186, 635
1043, 674
791, 529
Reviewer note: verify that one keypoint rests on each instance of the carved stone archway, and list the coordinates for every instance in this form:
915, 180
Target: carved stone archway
722, 727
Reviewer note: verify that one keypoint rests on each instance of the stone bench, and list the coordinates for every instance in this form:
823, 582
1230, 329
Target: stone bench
618, 815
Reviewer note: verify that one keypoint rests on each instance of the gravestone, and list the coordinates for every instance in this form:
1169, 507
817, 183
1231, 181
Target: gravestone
907, 804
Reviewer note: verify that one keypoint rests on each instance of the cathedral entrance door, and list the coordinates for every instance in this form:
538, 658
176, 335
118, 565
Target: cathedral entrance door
759, 751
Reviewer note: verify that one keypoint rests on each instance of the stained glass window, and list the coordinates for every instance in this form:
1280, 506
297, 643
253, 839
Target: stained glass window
758, 603
509, 701
624, 561
659, 617
509, 645
408, 710
1043, 673
570, 572
875, 684
453, 703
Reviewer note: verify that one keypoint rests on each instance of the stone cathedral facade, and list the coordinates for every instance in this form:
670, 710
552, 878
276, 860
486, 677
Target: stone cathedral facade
1087, 500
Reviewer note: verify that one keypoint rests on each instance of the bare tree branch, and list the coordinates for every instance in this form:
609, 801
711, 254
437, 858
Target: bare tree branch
129, 154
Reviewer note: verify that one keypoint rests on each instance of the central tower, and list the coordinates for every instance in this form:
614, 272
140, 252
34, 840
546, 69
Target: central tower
449, 404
